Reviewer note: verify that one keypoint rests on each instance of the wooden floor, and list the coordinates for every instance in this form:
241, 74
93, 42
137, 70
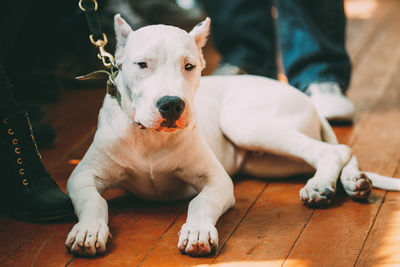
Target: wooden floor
269, 226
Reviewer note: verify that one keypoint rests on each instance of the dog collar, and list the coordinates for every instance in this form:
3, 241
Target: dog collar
111, 86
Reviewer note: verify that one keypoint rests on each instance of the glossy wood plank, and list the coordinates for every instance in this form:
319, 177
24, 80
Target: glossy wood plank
383, 243
364, 20
13, 234
334, 236
374, 71
30, 252
270, 229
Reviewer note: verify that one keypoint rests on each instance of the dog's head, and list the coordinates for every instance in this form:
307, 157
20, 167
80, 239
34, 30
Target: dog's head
160, 69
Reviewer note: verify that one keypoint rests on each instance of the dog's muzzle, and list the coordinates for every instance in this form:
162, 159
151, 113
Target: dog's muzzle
170, 108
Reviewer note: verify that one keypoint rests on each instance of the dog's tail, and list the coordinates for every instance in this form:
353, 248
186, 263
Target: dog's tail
384, 182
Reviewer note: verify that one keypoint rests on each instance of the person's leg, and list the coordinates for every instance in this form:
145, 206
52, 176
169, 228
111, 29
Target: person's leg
26, 189
312, 41
243, 32
7, 102
8, 32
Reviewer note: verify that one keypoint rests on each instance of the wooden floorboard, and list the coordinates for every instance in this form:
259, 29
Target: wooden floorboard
165, 252
334, 236
271, 227
268, 225
383, 243
365, 20
13, 234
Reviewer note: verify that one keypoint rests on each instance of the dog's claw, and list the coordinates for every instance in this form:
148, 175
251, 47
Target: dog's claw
197, 240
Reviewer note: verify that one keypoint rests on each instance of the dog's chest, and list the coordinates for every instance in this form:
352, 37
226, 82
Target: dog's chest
154, 182
152, 175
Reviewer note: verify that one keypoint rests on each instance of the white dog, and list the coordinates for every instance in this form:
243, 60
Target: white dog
173, 135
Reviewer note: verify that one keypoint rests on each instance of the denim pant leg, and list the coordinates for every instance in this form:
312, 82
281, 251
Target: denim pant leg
311, 36
243, 32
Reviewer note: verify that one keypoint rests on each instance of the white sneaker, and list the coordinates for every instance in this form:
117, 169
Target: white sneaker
228, 69
330, 102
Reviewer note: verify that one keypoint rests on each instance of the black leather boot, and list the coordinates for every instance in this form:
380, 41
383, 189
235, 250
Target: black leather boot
45, 135
27, 190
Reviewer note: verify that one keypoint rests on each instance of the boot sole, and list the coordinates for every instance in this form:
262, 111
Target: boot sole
27, 216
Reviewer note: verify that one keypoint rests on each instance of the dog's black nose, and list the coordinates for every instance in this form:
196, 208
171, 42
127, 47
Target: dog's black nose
170, 107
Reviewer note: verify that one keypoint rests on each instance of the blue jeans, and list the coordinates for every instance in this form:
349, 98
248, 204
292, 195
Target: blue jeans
309, 33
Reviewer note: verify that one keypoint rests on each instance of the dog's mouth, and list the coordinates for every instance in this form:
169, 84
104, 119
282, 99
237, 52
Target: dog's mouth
168, 124
140, 126
165, 126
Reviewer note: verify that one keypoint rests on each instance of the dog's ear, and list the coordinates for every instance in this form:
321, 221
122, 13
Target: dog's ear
200, 32
122, 31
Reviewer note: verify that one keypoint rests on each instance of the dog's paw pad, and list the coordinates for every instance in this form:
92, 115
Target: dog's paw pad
87, 238
316, 196
198, 240
358, 187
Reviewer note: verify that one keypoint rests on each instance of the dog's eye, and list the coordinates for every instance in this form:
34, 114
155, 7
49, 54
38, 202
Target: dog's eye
142, 65
189, 67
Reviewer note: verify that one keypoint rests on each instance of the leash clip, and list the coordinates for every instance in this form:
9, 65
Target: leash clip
103, 55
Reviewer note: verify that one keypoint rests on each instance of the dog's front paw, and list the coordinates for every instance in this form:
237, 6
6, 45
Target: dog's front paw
315, 195
198, 239
88, 238
357, 186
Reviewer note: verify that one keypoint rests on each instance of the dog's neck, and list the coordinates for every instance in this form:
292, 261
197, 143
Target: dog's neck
124, 100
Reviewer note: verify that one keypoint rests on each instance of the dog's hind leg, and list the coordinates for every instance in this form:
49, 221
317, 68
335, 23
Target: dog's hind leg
327, 159
356, 183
